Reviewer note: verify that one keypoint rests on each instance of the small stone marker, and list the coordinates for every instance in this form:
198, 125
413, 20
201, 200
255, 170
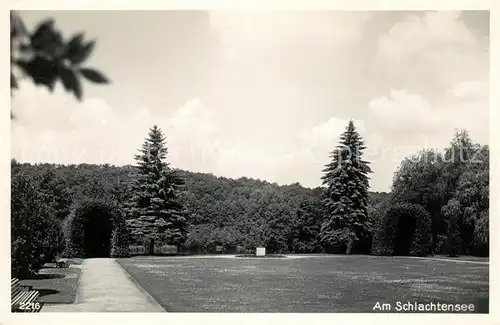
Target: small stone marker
261, 251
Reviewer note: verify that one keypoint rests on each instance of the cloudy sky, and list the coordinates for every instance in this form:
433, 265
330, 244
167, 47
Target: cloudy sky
263, 94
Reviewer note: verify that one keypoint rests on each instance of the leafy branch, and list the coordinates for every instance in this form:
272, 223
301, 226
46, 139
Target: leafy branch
45, 56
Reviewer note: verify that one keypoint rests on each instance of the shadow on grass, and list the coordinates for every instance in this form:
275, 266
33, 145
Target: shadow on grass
46, 292
46, 276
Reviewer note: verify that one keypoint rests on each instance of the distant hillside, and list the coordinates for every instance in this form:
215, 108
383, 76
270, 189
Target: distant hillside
222, 211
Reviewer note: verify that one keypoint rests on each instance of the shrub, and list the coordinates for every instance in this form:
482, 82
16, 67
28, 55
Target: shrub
53, 243
453, 242
440, 246
339, 240
198, 237
120, 237
205, 238
36, 234
481, 235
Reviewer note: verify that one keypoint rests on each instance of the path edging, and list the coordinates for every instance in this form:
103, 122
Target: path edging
147, 294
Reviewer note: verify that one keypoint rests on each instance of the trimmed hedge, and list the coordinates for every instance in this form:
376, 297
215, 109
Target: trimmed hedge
168, 249
165, 250
405, 230
137, 250
452, 211
240, 250
75, 228
421, 244
385, 235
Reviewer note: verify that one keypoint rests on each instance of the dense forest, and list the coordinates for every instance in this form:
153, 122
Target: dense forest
223, 211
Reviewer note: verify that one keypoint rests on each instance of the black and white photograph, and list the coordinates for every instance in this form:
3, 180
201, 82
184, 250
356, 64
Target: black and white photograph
250, 161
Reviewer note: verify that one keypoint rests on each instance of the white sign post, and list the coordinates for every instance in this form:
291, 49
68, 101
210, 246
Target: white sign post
261, 251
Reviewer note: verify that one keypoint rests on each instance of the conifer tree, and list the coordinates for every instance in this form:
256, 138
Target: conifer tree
345, 197
154, 213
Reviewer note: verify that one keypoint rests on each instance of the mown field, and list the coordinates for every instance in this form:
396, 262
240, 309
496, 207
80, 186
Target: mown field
323, 283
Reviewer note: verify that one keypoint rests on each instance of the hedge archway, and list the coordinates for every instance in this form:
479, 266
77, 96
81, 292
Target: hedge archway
404, 231
96, 229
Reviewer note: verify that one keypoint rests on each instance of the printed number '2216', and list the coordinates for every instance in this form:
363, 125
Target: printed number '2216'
30, 306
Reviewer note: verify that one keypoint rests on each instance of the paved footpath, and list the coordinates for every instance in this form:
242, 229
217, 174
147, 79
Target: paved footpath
106, 287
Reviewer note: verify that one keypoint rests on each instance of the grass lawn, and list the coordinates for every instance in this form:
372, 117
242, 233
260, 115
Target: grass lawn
56, 285
325, 283
464, 258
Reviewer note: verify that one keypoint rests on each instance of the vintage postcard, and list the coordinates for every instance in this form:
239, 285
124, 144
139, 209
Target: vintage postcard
238, 161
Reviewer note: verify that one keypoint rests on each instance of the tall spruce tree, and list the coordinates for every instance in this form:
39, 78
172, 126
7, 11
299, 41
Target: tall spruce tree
154, 214
345, 197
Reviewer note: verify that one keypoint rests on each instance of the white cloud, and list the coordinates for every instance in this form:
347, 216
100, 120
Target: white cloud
257, 32
436, 49
330, 130
403, 111
470, 90
417, 120
193, 117
193, 137
54, 127
317, 143
437, 32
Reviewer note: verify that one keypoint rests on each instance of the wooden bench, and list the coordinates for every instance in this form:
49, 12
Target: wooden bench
62, 263
24, 299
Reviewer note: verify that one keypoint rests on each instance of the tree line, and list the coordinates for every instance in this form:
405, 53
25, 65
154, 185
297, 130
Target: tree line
438, 204
452, 187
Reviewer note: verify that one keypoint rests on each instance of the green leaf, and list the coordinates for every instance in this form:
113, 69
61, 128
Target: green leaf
83, 53
71, 82
93, 75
